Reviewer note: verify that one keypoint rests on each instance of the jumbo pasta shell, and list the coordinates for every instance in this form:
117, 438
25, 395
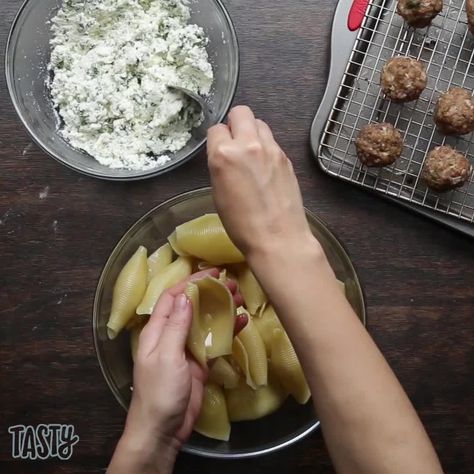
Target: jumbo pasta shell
250, 352
287, 367
168, 277
250, 289
159, 260
223, 374
128, 292
213, 421
206, 239
245, 403
266, 322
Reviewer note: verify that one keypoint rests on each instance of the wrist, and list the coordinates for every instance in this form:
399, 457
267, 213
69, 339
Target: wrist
284, 270
146, 427
143, 443
147, 454
284, 253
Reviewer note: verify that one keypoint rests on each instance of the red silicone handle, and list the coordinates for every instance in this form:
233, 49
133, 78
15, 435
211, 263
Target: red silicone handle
356, 14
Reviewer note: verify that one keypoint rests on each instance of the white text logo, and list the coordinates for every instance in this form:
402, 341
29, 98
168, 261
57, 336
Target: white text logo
43, 441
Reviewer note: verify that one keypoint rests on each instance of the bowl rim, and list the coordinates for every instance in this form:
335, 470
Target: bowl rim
146, 174
244, 454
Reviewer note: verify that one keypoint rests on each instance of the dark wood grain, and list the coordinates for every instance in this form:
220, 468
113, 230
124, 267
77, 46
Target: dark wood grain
418, 277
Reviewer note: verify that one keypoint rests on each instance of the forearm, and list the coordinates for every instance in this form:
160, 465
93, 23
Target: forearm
137, 453
368, 422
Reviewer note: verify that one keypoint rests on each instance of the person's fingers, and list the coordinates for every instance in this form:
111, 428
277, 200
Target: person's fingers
265, 133
194, 407
268, 141
216, 136
240, 322
232, 285
242, 123
151, 333
195, 399
238, 299
213, 272
197, 372
176, 328
181, 287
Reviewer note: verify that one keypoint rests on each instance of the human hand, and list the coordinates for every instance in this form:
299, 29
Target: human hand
254, 186
168, 385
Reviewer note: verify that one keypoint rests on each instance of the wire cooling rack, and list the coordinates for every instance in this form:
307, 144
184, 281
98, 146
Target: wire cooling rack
446, 49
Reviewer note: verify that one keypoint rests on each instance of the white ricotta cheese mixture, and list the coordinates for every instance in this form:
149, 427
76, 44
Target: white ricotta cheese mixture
111, 61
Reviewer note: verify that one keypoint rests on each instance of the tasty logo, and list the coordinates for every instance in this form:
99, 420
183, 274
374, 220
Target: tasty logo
43, 441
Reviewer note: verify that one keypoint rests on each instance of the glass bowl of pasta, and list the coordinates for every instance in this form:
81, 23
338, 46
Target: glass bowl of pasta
256, 400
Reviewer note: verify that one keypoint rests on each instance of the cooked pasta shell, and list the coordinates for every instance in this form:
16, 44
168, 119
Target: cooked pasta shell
174, 245
250, 289
287, 367
168, 277
213, 321
223, 374
217, 316
265, 323
205, 238
241, 357
213, 421
244, 403
251, 353
223, 275
204, 266
196, 342
128, 292
158, 260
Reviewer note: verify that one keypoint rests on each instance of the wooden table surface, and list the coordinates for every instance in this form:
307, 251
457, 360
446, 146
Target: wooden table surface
58, 227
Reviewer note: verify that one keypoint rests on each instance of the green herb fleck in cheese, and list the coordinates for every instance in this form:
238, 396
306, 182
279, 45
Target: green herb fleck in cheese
111, 61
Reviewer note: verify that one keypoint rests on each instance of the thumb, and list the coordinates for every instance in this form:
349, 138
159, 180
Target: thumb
175, 331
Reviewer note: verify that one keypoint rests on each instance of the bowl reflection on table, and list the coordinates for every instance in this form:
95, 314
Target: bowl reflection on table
252, 438
26, 67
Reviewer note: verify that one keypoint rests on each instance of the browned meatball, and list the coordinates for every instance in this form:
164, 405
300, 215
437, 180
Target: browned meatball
403, 79
454, 112
445, 169
379, 144
419, 13
470, 14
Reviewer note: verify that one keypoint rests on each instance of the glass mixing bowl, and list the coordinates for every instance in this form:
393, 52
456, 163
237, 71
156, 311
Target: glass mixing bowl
26, 66
253, 438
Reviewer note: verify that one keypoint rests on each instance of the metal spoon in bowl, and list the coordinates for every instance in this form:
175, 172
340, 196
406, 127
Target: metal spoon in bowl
207, 112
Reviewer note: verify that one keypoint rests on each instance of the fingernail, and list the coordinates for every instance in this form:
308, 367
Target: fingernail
181, 301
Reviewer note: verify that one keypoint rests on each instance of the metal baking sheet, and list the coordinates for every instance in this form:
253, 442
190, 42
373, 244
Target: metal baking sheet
354, 99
